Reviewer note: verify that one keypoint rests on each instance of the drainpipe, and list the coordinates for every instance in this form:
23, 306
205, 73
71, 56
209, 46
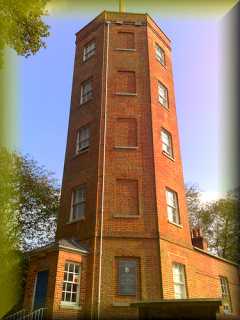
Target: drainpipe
103, 177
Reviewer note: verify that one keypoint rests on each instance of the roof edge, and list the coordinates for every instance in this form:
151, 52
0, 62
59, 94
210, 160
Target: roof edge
217, 257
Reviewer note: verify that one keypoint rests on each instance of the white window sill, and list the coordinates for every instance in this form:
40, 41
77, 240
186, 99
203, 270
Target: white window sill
126, 147
165, 107
77, 220
121, 304
130, 94
65, 305
163, 65
168, 156
175, 224
81, 152
126, 49
85, 102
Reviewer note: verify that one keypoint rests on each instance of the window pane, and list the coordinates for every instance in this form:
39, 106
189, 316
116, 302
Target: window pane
89, 50
179, 281
162, 95
70, 285
171, 214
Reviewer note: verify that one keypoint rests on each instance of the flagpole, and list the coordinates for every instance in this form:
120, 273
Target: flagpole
122, 6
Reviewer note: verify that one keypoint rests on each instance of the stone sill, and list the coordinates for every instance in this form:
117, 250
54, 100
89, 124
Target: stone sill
175, 224
127, 147
168, 156
70, 306
80, 152
129, 94
123, 49
121, 304
75, 221
126, 216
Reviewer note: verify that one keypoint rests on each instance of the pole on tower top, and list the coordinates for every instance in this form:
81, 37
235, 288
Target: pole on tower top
121, 5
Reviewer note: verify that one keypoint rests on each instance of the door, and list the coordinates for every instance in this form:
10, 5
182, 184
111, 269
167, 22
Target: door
40, 290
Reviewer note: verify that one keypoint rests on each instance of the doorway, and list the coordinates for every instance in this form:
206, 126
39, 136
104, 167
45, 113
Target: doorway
40, 290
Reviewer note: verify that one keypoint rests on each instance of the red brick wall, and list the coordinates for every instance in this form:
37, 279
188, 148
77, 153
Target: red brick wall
202, 273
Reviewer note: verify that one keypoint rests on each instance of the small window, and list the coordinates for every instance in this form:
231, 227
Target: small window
162, 95
160, 55
167, 142
89, 50
83, 139
71, 283
225, 295
172, 206
86, 91
127, 276
78, 203
179, 281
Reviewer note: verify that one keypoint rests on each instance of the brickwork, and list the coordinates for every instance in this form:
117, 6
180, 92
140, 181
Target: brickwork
124, 73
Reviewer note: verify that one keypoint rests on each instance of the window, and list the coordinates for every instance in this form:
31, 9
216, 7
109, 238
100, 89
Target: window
225, 295
167, 142
86, 91
83, 139
127, 276
160, 55
71, 283
179, 281
78, 203
89, 50
172, 206
162, 94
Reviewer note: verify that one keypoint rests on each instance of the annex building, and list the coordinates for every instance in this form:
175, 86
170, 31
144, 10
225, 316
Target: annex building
123, 246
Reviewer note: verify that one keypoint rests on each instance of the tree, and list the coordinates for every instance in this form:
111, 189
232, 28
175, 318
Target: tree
21, 26
194, 204
29, 199
219, 221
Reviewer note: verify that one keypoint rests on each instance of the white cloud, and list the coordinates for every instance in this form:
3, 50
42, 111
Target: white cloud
209, 196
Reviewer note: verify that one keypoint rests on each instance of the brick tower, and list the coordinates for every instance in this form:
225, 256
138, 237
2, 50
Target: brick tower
123, 234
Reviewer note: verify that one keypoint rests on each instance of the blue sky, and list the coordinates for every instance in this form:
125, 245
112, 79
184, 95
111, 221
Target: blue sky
45, 90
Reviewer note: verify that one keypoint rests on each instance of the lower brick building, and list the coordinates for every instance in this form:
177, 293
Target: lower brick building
123, 245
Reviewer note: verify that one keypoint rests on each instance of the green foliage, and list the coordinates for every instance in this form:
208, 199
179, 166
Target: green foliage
219, 221
38, 203
29, 199
10, 270
21, 26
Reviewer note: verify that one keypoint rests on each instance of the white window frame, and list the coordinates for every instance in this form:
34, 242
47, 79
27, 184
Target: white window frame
173, 207
86, 95
83, 139
163, 98
89, 50
179, 283
167, 147
160, 54
76, 277
81, 203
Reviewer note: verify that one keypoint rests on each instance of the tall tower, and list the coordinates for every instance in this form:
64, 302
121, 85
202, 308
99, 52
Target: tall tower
123, 185
123, 246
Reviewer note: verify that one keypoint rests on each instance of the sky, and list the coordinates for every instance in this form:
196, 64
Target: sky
45, 89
